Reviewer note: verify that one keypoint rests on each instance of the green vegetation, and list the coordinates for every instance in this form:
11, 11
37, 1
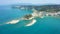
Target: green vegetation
48, 8
28, 16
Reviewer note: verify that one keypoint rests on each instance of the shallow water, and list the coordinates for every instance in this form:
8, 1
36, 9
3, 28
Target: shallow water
46, 25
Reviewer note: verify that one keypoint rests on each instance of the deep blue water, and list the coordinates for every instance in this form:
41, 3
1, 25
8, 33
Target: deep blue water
47, 25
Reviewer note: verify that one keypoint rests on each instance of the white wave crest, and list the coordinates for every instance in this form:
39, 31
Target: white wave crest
13, 22
31, 23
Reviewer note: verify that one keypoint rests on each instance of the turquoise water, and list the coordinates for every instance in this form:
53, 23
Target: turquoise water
47, 25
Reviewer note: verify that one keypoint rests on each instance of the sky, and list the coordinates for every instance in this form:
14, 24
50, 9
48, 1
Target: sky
9, 2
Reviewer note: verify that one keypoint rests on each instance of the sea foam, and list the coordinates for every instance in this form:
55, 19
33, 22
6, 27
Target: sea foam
31, 23
13, 22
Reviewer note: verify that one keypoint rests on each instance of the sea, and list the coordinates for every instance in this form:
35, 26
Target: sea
46, 25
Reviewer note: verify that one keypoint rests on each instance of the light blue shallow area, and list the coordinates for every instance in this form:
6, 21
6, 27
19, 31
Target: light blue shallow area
46, 25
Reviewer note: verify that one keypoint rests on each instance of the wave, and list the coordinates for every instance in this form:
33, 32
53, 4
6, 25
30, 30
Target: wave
13, 22
31, 23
